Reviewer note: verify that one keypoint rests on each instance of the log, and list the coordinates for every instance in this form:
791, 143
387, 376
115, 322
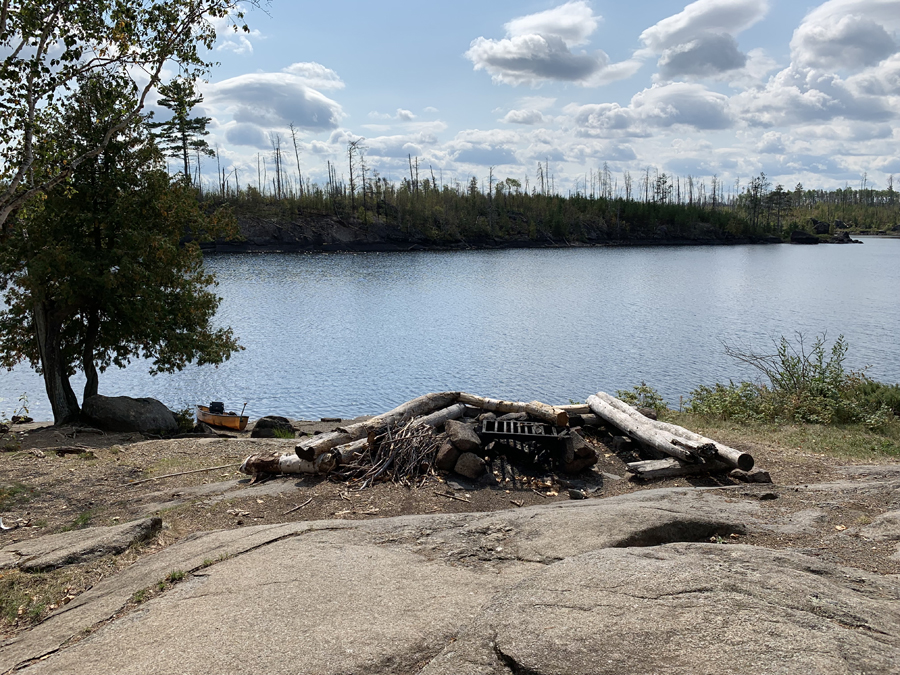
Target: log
735, 458
643, 432
575, 408
671, 467
542, 411
349, 451
436, 419
311, 448
275, 463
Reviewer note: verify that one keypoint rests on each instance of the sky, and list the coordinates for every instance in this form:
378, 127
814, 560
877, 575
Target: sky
806, 93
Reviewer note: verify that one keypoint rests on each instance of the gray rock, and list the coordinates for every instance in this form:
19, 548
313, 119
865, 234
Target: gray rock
446, 457
121, 413
577, 494
752, 476
463, 436
469, 465
486, 417
266, 427
885, 527
685, 609
514, 417
70, 548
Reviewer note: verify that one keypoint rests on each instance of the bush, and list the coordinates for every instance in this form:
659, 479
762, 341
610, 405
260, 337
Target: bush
643, 396
185, 420
806, 384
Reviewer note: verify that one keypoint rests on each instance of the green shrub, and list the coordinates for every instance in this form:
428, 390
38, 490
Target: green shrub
185, 420
806, 384
643, 396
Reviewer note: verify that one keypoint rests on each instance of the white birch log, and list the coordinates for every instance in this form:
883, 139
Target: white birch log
542, 411
640, 431
575, 408
436, 419
734, 458
351, 451
274, 463
311, 448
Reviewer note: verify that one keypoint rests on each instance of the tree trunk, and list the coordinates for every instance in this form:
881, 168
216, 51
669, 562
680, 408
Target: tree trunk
436, 419
671, 467
87, 357
62, 398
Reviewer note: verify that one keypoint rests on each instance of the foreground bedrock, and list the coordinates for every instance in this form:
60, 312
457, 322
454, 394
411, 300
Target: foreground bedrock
630, 584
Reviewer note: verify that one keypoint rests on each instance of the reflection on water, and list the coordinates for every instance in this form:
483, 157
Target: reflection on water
346, 334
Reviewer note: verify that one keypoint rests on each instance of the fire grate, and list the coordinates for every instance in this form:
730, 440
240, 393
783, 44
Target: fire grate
531, 432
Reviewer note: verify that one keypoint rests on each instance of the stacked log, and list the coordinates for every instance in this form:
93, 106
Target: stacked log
695, 453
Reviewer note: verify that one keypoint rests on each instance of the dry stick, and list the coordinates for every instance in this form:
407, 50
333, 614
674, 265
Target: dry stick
183, 473
297, 508
540, 494
459, 499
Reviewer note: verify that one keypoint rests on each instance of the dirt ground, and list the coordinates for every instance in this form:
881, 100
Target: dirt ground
102, 479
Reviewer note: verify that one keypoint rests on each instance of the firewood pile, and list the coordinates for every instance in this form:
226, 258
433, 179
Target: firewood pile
480, 438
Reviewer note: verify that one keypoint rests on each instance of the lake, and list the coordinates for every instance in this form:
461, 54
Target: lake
343, 334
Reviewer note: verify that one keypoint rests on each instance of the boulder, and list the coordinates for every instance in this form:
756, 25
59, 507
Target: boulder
446, 457
685, 609
469, 465
841, 225
885, 527
266, 427
821, 228
514, 417
463, 436
121, 413
801, 237
78, 546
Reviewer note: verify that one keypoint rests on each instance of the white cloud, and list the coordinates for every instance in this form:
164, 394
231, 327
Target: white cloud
537, 49
699, 41
405, 115
847, 34
702, 17
573, 22
315, 75
231, 38
660, 106
272, 101
523, 117
431, 110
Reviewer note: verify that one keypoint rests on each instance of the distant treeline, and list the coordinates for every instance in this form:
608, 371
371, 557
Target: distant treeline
652, 205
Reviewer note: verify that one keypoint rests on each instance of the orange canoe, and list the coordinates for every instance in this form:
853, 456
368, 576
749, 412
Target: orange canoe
227, 420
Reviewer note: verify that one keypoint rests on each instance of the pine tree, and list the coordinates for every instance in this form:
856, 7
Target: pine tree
182, 134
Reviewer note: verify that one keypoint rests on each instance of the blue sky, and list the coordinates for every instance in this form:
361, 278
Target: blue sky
807, 93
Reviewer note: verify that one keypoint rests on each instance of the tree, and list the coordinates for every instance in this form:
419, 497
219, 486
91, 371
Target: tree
94, 273
49, 46
181, 135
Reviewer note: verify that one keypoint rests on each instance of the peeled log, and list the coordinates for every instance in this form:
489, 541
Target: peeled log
732, 457
575, 408
542, 411
311, 448
436, 419
641, 431
671, 467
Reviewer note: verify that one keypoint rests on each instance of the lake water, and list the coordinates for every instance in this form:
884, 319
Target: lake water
342, 334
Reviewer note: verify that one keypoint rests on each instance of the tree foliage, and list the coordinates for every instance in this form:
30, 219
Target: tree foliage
49, 46
95, 273
181, 135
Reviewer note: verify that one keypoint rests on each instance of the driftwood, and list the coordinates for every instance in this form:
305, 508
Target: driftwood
641, 431
575, 408
182, 473
436, 419
732, 457
542, 411
311, 448
274, 463
671, 467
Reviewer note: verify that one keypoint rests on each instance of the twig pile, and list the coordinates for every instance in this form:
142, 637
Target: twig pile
404, 454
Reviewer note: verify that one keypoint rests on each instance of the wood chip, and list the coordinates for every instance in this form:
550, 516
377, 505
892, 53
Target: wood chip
517, 503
